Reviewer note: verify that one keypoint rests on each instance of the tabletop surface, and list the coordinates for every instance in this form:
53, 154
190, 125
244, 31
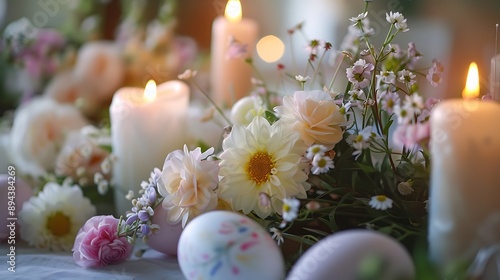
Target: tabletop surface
31, 263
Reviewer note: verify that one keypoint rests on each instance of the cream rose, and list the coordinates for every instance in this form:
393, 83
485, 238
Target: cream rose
39, 130
314, 115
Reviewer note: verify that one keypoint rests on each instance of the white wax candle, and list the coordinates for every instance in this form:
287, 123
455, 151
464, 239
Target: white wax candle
495, 78
465, 178
230, 77
143, 131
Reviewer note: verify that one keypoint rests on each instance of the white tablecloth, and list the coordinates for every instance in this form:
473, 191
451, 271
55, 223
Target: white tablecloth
37, 264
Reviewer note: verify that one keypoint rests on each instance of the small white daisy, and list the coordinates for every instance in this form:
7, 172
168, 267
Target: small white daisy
381, 202
387, 77
414, 101
406, 76
52, 219
405, 114
361, 140
358, 18
321, 164
315, 150
290, 209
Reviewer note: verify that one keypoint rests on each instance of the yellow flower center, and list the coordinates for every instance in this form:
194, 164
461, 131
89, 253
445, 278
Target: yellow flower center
286, 208
381, 198
322, 163
259, 167
58, 224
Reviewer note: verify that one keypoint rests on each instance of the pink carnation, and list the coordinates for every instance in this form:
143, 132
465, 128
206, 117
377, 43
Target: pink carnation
97, 243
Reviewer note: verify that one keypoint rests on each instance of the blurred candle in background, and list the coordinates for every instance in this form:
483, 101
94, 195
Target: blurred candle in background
230, 74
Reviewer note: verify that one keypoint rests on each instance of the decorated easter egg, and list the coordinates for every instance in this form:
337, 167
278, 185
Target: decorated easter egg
167, 238
13, 193
354, 254
227, 245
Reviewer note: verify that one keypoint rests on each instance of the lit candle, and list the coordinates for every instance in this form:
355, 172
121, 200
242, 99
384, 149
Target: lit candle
495, 78
465, 176
146, 125
230, 77
495, 71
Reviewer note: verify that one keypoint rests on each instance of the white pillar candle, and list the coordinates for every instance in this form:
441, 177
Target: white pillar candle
465, 178
144, 128
230, 77
495, 78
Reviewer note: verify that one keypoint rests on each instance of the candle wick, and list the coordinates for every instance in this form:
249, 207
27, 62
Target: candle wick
495, 79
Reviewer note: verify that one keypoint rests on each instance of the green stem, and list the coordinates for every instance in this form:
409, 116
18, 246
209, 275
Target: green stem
213, 103
336, 72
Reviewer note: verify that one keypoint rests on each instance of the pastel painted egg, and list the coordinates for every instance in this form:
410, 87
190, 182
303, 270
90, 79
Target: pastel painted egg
228, 245
354, 254
167, 238
22, 192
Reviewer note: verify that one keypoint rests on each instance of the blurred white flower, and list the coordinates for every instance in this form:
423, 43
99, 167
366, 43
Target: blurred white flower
39, 131
247, 108
52, 219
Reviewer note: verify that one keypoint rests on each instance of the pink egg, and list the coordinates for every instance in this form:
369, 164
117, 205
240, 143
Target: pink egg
350, 253
168, 237
20, 193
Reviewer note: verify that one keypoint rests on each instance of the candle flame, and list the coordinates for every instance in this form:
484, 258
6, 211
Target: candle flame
471, 89
233, 11
150, 90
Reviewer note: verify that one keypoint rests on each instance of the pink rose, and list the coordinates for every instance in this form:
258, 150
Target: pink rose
97, 243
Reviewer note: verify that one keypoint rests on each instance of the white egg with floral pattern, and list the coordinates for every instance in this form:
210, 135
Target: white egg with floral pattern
227, 245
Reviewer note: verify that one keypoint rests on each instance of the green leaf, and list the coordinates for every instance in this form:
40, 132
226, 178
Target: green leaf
270, 116
388, 126
320, 232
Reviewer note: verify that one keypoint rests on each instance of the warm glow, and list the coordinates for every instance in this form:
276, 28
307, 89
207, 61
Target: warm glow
471, 89
150, 90
233, 10
270, 48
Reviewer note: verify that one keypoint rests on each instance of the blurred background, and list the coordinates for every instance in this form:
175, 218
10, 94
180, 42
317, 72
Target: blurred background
454, 31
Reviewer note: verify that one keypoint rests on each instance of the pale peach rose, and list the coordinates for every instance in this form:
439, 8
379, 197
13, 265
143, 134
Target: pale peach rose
100, 66
314, 115
80, 158
67, 88
39, 130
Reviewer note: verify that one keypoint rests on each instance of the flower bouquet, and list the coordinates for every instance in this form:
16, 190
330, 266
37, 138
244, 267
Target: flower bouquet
304, 163
309, 162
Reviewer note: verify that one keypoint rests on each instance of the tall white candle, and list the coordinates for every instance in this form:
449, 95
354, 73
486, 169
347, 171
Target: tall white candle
465, 178
146, 125
495, 78
230, 77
